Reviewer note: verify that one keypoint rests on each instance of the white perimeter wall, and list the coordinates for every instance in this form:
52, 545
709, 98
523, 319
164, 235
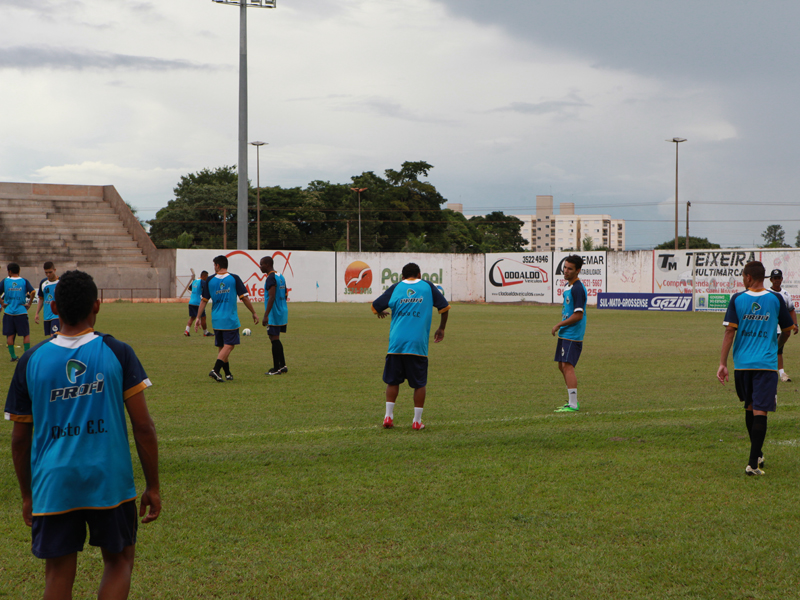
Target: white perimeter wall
362, 277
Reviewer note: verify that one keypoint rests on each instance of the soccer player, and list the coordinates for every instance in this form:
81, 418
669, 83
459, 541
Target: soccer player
194, 303
411, 301
276, 315
571, 330
47, 291
222, 289
776, 279
18, 294
750, 324
68, 399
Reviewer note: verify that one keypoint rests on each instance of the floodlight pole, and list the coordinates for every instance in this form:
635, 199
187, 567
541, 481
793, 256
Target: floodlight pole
677, 141
258, 192
242, 218
688, 204
359, 190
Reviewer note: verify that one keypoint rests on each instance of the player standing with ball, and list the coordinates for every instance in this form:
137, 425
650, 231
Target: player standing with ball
222, 289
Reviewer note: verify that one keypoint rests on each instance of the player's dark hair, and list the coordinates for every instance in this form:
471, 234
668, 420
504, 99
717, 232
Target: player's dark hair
49, 265
75, 296
13, 268
268, 260
411, 270
575, 260
755, 269
203, 273
221, 261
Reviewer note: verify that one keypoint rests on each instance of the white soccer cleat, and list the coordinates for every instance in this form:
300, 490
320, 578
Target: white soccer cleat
785, 377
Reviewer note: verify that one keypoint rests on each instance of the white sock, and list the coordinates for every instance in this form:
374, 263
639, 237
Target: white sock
417, 415
390, 410
781, 372
205, 330
187, 329
573, 398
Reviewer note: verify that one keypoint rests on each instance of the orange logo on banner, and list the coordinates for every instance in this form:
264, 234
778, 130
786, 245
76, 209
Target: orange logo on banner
358, 278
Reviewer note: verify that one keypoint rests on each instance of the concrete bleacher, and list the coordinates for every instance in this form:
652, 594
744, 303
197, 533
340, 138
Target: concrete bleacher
79, 226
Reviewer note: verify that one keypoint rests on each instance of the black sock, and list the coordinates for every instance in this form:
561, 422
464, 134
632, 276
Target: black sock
277, 353
218, 365
283, 358
748, 420
757, 434
227, 367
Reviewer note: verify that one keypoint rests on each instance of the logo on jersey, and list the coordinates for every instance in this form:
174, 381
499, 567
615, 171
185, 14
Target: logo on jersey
75, 369
411, 293
755, 308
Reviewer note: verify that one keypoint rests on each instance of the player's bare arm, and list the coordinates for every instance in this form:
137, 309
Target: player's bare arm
727, 342
438, 336
571, 320
144, 434
38, 312
270, 302
21, 442
246, 300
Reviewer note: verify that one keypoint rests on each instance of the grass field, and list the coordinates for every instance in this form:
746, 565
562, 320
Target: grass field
287, 487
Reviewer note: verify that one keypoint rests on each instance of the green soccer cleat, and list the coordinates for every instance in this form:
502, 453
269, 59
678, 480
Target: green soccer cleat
567, 408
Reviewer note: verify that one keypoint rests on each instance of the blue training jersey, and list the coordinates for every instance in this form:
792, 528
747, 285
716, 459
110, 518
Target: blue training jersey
223, 291
197, 292
411, 302
756, 315
574, 301
47, 294
73, 390
279, 314
16, 290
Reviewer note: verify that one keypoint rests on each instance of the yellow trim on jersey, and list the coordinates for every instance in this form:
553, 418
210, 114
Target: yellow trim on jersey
84, 332
134, 390
445, 309
84, 508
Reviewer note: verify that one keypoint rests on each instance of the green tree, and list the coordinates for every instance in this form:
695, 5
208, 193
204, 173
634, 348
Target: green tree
588, 243
497, 232
184, 240
203, 201
694, 243
774, 237
797, 240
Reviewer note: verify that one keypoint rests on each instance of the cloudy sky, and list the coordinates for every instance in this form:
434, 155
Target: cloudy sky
507, 99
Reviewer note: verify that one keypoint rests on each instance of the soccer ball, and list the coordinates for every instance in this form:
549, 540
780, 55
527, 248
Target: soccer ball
246, 332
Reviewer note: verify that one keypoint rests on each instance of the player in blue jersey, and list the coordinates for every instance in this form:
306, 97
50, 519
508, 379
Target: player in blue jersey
47, 294
276, 314
750, 325
411, 302
194, 304
571, 329
18, 294
222, 289
70, 448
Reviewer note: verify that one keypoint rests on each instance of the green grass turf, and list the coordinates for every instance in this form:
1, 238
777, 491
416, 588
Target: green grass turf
287, 487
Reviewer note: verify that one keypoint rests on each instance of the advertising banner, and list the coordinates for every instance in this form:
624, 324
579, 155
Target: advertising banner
715, 271
310, 276
364, 276
654, 302
526, 277
593, 274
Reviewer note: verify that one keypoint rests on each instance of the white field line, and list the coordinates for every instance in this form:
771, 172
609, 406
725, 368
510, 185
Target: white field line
336, 429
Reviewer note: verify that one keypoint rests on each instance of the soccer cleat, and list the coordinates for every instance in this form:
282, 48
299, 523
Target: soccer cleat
15, 359
785, 377
208, 334
566, 408
751, 471
761, 461
417, 426
388, 423
283, 370
186, 333
229, 377
273, 372
216, 376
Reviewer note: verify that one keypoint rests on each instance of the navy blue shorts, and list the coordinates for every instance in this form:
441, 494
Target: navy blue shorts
759, 388
568, 351
113, 529
16, 325
276, 329
226, 337
400, 367
193, 311
52, 327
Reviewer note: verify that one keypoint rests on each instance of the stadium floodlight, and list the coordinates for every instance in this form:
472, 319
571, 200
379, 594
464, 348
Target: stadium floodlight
258, 192
677, 141
243, 218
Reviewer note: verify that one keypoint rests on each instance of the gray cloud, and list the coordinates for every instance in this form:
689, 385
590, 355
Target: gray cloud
557, 107
28, 58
